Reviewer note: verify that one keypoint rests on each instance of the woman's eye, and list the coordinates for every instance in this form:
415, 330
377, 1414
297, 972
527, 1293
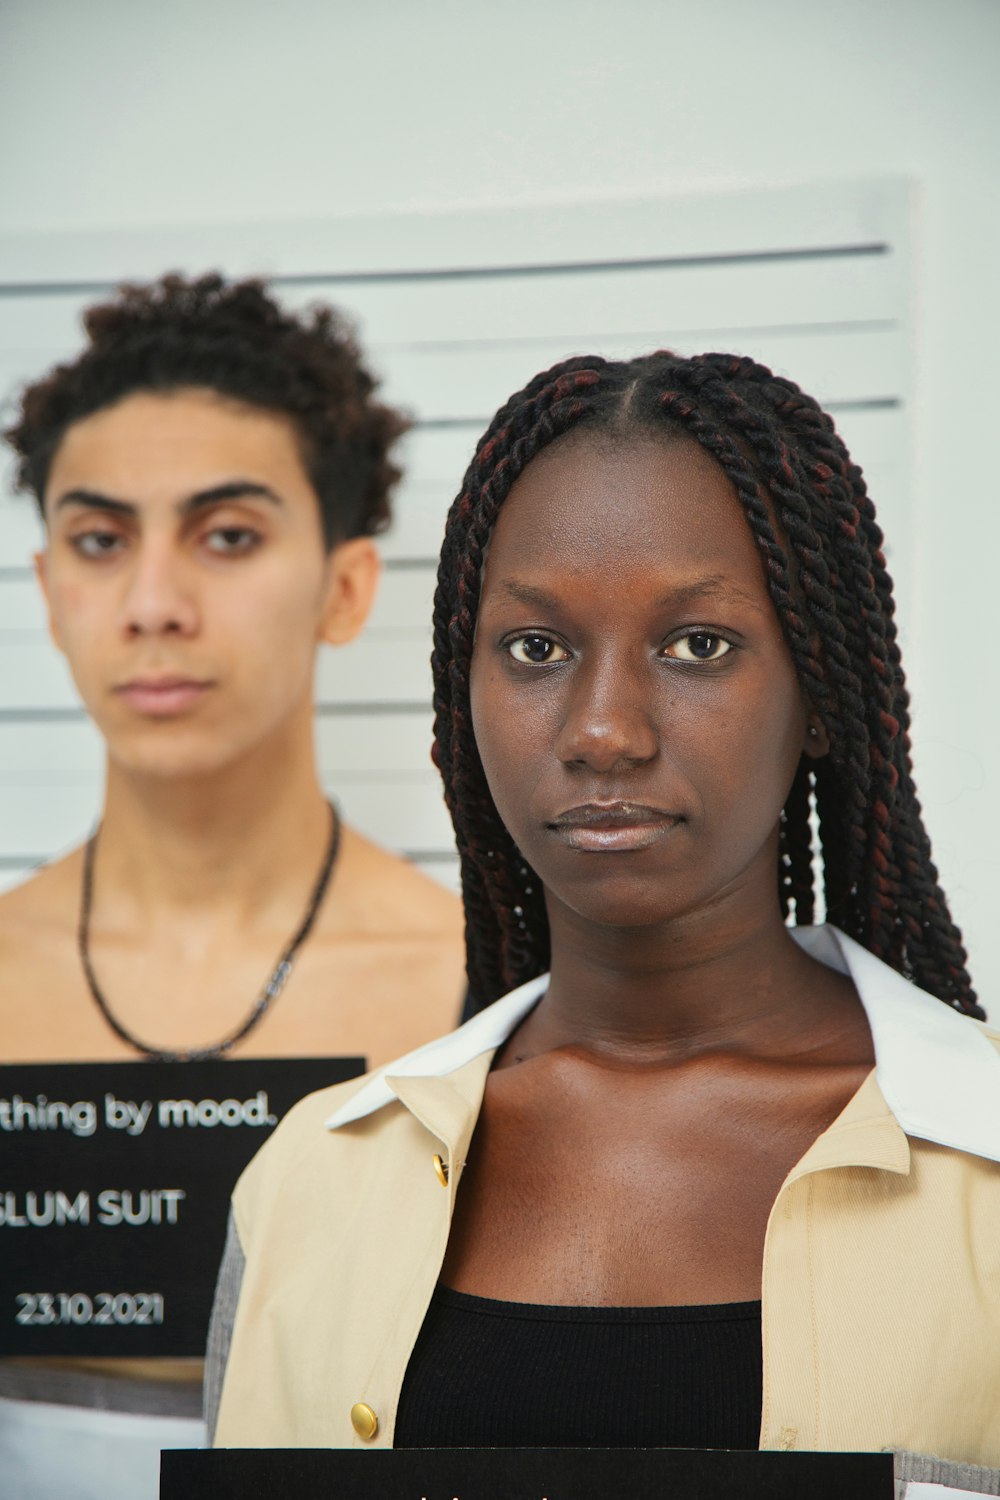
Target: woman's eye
538, 650
97, 543
232, 541
699, 645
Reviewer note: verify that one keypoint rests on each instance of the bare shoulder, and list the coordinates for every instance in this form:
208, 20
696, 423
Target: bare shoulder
41, 988
391, 944
376, 893
40, 910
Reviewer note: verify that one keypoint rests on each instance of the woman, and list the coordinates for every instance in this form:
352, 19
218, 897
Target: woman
664, 638
211, 472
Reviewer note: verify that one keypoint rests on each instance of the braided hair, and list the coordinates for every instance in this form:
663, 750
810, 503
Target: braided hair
806, 504
233, 338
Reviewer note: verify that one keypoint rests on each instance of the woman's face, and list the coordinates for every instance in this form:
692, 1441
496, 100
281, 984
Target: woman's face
634, 702
187, 580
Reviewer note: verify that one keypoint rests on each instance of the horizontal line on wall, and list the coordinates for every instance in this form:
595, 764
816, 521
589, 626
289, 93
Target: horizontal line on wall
71, 715
433, 424
468, 273
471, 346
336, 710
406, 564
584, 267
866, 403
414, 777
66, 715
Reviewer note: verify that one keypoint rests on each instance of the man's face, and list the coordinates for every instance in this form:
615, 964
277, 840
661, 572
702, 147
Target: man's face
186, 577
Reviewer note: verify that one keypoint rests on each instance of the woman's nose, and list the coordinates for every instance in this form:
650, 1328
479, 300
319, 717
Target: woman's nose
609, 724
158, 597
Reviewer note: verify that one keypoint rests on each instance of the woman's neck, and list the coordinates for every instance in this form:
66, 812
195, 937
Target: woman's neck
717, 978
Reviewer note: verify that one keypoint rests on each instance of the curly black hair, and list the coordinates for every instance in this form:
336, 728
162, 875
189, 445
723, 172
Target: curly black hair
232, 338
807, 507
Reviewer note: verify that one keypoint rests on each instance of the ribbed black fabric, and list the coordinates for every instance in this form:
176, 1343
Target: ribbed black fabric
487, 1374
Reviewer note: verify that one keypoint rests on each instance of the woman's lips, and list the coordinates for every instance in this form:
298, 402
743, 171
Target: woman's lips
612, 827
161, 698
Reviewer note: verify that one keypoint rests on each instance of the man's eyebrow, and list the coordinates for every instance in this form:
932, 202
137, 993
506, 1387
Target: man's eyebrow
233, 489
94, 500
217, 494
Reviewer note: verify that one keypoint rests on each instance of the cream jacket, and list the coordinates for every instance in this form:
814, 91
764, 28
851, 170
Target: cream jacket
881, 1273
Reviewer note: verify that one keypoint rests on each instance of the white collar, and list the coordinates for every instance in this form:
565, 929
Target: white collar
937, 1071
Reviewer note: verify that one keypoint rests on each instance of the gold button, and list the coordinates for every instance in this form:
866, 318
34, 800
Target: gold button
364, 1421
441, 1171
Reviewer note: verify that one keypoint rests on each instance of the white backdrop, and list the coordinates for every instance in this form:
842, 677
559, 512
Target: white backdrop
128, 112
815, 282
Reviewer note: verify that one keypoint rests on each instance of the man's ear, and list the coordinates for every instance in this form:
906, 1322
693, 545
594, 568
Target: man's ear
354, 573
40, 560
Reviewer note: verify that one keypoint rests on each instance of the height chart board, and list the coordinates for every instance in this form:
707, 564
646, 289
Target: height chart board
523, 1474
114, 1194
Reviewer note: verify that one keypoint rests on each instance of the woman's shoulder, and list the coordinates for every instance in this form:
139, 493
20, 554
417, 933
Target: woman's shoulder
293, 1150
305, 1123
310, 1148
366, 1130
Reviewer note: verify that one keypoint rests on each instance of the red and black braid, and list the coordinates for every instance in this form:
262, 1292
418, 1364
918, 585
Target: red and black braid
814, 523
506, 922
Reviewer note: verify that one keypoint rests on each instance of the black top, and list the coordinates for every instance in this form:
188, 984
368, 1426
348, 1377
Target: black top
488, 1374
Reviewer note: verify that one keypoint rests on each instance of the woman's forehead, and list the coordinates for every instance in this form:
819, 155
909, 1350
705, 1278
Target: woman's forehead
597, 503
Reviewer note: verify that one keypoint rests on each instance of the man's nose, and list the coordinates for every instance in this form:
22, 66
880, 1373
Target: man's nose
159, 595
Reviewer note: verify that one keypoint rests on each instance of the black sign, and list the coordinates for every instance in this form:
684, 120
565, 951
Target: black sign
114, 1191
523, 1474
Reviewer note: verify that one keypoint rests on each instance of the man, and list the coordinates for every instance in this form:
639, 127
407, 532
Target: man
210, 471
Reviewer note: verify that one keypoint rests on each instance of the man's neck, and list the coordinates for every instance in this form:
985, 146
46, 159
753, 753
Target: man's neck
238, 845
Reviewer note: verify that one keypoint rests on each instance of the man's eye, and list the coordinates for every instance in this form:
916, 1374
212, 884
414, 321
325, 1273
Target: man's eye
97, 543
538, 650
232, 541
699, 645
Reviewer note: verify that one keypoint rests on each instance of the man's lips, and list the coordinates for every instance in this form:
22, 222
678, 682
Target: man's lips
613, 826
161, 697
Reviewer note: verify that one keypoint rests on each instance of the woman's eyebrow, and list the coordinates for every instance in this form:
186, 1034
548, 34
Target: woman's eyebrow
526, 593
217, 494
715, 586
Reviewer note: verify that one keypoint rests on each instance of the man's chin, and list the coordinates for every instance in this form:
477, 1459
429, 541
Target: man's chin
183, 758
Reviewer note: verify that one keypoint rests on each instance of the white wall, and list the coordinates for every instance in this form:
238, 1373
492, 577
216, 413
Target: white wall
126, 112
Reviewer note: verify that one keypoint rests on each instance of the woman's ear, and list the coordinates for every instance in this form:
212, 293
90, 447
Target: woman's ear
817, 741
354, 569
